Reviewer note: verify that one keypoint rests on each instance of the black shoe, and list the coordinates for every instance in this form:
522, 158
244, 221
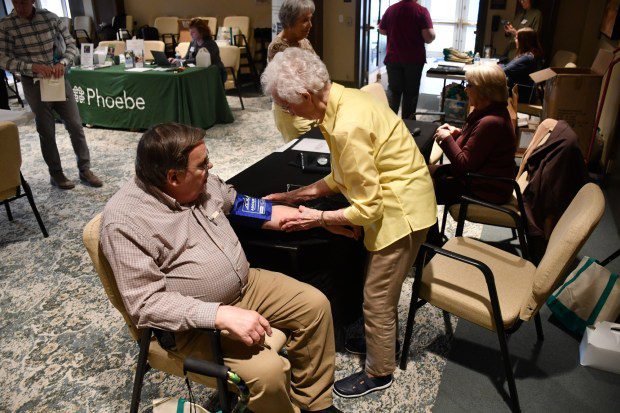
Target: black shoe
331, 409
88, 177
357, 345
61, 181
360, 384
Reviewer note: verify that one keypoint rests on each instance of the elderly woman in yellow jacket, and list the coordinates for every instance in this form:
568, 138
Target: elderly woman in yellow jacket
377, 166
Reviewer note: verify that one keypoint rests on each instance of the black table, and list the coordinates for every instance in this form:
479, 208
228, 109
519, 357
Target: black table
331, 263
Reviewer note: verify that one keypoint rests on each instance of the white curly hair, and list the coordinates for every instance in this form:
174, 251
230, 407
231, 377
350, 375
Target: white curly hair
293, 72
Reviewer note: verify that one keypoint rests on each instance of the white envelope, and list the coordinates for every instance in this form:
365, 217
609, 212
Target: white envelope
600, 347
53, 90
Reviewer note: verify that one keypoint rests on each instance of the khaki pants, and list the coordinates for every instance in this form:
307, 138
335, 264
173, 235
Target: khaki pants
386, 271
302, 380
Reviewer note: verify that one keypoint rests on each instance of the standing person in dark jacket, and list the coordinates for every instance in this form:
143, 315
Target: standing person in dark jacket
202, 38
408, 27
486, 145
529, 59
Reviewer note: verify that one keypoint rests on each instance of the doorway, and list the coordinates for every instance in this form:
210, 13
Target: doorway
457, 24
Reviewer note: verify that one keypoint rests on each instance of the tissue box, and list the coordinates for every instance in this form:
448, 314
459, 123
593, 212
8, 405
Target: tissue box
600, 347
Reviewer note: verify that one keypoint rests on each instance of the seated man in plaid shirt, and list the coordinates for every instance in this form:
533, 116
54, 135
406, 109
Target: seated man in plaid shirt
179, 267
31, 43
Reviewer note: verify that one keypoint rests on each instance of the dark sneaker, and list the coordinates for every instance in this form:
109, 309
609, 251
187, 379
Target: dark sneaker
357, 345
89, 178
331, 409
360, 384
61, 181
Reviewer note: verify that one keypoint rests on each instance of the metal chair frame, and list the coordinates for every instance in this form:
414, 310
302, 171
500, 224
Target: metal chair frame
28, 194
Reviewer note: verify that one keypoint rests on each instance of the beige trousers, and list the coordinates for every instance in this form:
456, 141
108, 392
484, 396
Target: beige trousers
386, 271
305, 377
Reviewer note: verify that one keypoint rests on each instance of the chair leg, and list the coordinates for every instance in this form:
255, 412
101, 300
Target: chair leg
514, 233
413, 307
448, 323
512, 387
539, 330
33, 205
238, 89
443, 221
145, 341
8, 211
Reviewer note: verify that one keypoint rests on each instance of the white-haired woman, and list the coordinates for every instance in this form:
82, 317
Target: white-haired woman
296, 19
377, 166
485, 145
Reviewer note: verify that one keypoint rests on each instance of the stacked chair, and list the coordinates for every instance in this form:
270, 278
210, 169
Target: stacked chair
243, 40
168, 28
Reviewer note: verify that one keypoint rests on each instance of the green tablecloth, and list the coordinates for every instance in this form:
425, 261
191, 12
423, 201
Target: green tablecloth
114, 98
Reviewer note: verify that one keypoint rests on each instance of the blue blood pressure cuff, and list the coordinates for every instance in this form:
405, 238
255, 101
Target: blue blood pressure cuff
248, 207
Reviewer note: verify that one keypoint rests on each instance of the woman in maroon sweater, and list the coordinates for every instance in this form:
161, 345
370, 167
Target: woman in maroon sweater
485, 145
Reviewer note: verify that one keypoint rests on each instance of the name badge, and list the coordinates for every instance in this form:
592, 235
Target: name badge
524, 21
247, 206
191, 49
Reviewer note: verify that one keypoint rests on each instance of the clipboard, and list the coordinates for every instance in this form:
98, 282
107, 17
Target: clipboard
53, 89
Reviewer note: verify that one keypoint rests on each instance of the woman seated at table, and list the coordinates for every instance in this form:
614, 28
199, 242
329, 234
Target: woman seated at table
529, 59
296, 19
202, 38
486, 144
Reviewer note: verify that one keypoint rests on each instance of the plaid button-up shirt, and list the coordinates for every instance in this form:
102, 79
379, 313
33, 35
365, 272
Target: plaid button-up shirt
25, 42
173, 264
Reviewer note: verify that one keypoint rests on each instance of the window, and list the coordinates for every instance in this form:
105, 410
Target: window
455, 24
58, 7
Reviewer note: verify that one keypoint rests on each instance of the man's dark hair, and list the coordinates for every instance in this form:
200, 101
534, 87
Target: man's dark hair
163, 147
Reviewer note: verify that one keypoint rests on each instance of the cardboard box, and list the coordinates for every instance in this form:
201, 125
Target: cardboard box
572, 95
600, 347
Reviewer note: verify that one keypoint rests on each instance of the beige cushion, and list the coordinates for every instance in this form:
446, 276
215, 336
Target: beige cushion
10, 159
242, 22
484, 215
156, 45
119, 46
436, 154
166, 25
376, 90
570, 233
182, 49
461, 289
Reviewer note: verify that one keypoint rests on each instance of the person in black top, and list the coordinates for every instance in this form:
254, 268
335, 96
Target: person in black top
201, 37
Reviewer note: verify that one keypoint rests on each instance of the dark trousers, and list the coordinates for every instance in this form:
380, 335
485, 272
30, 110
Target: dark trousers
46, 125
4, 93
404, 82
448, 191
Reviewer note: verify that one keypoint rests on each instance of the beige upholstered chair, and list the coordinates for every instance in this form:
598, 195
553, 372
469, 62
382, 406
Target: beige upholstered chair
11, 179
119, 46
182, 49
83, 29
509, 215
151, 353
241, 22
563, 57
212, 23
376, 89
230, 56
167, 25
498, 290
150, 45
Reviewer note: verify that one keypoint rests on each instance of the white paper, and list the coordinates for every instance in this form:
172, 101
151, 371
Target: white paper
312, 145
86, 54
100, 55
286, 146
53, 90
137, 47
139, 69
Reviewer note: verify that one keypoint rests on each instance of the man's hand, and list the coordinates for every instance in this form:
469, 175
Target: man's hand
43, 70
242, 325
509, 29
58, 70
